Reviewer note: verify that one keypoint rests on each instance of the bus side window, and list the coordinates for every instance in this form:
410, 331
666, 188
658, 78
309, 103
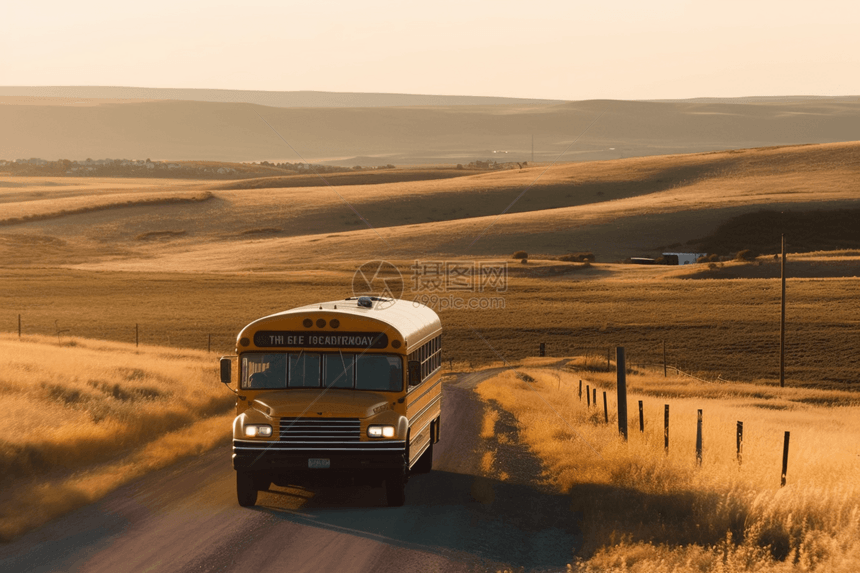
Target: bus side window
414, 368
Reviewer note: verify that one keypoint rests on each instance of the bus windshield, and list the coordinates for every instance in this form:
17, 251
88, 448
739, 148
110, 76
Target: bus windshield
282, 370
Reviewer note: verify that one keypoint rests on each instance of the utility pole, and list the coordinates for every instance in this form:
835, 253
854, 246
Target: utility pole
782, 321
533, 148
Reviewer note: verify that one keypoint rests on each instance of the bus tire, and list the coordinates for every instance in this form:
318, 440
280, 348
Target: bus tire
262, 481
395, 489
425, 462
246, 493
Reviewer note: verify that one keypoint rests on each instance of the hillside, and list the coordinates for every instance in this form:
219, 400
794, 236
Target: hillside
267, 98
616, 209
63, 128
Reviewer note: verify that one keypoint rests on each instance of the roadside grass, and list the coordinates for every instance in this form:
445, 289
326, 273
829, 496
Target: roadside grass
82, 417
488, 425
647, 511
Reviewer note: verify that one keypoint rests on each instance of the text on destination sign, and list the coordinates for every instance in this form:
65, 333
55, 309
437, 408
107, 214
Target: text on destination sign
299, 339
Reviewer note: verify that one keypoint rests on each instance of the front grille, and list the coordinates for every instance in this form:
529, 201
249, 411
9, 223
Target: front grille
320, 431
318, 436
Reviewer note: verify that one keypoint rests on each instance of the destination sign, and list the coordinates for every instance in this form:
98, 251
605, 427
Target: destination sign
304, 339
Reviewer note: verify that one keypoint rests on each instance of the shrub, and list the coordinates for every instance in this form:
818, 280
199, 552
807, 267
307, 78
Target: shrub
577, 257
520, 255
745, 255
714, 258
702, 259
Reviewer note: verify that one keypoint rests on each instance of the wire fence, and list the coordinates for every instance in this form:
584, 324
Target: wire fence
592, 404
141, 334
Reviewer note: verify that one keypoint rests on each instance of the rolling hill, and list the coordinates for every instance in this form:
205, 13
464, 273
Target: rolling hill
616, 209
71, 128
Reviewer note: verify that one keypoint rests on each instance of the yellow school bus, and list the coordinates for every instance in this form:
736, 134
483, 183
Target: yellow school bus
348, 388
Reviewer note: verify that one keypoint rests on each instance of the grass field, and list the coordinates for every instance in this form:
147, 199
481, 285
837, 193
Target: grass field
616, 209
728, 328
85, 416
647, 511
88, 259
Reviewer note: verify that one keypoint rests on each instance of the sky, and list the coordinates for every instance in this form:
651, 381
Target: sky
537, 49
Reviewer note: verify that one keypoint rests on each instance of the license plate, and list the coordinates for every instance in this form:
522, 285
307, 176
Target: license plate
322, 463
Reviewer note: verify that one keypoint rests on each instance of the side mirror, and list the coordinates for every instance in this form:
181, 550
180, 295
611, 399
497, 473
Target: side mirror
414, 372
226, 370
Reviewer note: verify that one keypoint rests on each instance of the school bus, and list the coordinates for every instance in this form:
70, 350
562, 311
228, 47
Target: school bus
348, 388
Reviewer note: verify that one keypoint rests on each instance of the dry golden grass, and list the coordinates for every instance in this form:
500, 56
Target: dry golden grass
56, 208
368, 177
728, 328
645, 511
488, 424
488, 461
85, 416
615, 208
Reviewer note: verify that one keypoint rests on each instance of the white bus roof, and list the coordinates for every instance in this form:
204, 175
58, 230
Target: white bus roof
414, 321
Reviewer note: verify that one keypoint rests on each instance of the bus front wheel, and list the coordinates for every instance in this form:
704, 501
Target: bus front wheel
395, 489
246, 492
425, 462
262, 481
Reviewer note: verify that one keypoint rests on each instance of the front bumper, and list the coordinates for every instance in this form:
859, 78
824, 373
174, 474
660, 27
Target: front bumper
351, 456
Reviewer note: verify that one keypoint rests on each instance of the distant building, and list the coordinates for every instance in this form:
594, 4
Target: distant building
682, 258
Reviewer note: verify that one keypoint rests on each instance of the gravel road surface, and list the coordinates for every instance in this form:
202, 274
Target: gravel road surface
185, 518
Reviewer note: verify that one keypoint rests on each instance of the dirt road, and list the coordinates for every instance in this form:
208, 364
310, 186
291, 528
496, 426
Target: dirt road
186, 518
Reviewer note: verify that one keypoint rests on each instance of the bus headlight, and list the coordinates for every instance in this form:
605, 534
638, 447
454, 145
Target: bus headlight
258, 430
380, 431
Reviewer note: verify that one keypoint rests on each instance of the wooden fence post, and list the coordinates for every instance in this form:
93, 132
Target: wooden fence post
621, 388
784, 459
588, 394
666, 427
580, 390
699, 438
740, 442
542, 350
209, 347
641, 419
19, 327
136, 336
594, 396
605, 411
